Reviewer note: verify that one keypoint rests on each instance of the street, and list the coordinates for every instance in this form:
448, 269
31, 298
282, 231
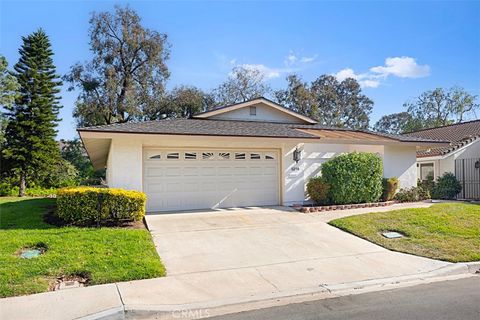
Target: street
449, 300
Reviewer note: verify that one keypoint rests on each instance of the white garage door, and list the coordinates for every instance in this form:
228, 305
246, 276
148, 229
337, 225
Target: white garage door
200, 179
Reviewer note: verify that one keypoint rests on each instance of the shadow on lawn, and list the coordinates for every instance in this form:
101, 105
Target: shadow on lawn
26, 214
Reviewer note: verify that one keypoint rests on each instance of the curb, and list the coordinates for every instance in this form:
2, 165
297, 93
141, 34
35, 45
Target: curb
221, 307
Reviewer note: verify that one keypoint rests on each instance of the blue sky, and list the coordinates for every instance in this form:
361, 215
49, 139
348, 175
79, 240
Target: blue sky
395, 49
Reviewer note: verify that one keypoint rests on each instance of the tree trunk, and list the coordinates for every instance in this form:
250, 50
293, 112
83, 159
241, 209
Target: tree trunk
21, 190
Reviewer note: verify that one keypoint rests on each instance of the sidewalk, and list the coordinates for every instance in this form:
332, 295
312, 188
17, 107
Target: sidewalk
201, 294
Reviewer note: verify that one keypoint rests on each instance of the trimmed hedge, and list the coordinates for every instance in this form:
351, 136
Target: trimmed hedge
95, 206
354, 178
318, 190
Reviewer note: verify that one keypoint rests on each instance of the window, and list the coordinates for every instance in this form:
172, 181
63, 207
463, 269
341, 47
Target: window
239, 156
207, 156
224, 155
173, 155
269, 157
190, 155
253, 111
155, 157
426, 170
255, 156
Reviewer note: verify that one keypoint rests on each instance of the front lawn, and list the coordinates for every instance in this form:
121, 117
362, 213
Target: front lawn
446, 231
103, 254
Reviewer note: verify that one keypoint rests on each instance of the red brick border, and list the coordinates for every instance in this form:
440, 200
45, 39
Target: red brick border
306, 209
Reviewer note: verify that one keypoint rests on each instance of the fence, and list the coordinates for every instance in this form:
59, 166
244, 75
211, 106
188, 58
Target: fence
467, 172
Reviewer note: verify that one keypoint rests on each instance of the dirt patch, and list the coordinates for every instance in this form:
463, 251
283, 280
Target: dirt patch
76, 280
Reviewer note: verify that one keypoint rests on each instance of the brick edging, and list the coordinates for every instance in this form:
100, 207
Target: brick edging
306, 209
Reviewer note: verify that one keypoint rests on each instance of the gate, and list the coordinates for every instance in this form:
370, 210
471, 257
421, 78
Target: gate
467, 172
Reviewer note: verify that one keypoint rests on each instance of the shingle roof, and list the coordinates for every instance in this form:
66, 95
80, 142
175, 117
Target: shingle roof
205, 127
459, 135
231, 128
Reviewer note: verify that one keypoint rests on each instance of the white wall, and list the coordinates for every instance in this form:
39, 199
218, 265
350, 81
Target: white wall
313, 155
471, 151
125, 161
125, 164
264, 114
401, 162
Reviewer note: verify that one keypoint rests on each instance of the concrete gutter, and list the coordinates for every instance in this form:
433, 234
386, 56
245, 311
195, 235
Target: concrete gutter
111, 301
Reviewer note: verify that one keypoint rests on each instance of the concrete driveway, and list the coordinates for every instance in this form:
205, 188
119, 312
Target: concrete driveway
286, 248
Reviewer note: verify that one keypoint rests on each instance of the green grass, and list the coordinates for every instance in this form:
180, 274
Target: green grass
447, 231
105, 254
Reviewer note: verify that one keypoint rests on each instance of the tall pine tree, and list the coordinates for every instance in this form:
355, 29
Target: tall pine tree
30, 145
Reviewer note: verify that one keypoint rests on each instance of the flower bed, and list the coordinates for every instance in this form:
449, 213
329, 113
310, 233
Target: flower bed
306, 209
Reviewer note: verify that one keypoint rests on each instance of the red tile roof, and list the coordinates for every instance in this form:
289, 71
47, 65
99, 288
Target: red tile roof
459, 135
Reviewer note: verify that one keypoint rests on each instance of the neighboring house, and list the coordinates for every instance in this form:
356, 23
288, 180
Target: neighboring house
461, 157
253, 153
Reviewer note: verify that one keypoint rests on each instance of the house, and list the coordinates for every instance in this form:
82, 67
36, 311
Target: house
461, 157
254, 153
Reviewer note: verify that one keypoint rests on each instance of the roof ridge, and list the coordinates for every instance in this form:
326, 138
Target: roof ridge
445, 126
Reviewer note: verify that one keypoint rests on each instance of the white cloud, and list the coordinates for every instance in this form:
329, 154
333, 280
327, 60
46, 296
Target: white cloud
345, 73
403, 67
291, 63
369, 83
309, 59
290, 59
269, 73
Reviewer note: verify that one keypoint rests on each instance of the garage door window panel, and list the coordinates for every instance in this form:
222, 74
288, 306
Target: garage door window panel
173, 156
190, 156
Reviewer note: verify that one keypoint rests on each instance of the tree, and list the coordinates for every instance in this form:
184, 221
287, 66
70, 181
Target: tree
440, 107
8, 93
396, 123
433, 108
329, 101
30, 134
243, 83
74, 152
298, 97
8, 84
181, 102
127, 74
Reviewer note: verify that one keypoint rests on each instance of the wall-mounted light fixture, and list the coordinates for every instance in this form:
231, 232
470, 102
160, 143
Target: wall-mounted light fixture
477, 164
297, 155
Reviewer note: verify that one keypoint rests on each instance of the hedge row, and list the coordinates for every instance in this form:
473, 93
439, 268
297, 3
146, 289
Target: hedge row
89, 206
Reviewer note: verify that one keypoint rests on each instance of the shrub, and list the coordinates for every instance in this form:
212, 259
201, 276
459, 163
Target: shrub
6, 190
318, 190
427, 183
413, 194
446, 187
354, 177
390, 187
95, 206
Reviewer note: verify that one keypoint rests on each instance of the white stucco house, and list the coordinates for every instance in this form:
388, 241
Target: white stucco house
460, 157
254, 153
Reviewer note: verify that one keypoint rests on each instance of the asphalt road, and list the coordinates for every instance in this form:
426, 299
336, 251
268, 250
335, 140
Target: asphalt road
449, 300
